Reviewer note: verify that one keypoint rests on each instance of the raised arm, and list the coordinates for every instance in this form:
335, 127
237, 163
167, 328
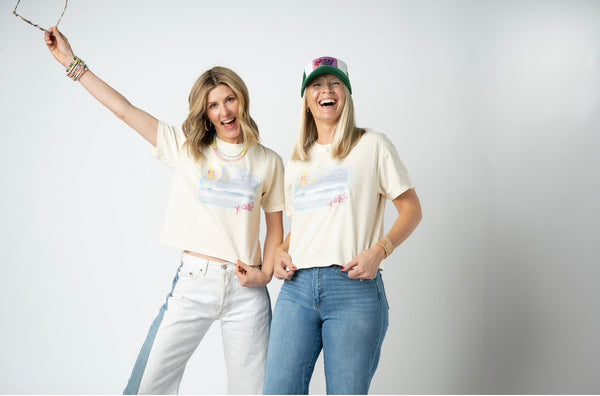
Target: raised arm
142, 122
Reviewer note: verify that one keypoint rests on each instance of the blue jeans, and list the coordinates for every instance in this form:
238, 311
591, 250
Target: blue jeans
321, 308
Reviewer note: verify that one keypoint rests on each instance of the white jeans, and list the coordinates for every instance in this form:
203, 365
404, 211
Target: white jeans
205, 291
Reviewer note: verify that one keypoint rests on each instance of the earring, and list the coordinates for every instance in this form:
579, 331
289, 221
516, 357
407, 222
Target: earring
208, 125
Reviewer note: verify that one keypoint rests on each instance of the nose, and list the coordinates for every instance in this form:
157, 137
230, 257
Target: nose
225, 111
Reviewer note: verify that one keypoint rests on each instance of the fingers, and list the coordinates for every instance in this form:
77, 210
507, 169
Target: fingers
286, 260
56, 33
49, 38
240, 272
351, 264
284, 267
52, 35
59, 46
241, 268
284, 271
250, 276
353, 272
289, 266
358, 270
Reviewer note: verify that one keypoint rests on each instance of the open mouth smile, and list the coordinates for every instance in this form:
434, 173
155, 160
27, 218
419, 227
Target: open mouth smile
327, 102
229, 124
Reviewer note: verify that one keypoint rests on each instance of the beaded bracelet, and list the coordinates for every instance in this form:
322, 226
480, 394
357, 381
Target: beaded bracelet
387, 245
76, 69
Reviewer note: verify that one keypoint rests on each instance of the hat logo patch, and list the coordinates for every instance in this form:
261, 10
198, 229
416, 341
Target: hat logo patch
325, 62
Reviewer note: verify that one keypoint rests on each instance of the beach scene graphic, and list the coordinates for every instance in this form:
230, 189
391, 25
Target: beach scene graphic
322, 188
229, 187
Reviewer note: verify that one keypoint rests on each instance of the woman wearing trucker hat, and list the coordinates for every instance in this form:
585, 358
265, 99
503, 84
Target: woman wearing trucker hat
336, 187
222, 178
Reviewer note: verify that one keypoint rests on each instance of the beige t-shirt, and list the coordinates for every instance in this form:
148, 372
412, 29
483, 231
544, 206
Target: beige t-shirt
214, 206
337, 206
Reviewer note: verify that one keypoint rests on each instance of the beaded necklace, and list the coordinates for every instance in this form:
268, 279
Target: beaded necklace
225, 157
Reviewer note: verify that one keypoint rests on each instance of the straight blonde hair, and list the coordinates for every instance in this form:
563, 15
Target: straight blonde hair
345, 136
198, 129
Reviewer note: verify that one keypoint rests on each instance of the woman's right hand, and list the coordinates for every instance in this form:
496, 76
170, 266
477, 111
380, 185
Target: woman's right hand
59, 46
284, 268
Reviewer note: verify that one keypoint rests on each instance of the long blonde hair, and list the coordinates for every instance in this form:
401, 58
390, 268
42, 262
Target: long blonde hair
198, 129
345, 136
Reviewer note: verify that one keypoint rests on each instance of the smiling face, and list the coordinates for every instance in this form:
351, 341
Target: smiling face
325, 97
222, 108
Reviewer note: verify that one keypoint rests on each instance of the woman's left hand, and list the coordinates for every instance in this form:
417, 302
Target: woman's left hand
59, 46
250, 276
366, 264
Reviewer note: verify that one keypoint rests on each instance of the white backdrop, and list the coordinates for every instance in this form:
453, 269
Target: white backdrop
494, 108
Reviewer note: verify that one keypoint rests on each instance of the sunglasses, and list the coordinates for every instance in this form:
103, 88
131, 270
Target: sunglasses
35, 24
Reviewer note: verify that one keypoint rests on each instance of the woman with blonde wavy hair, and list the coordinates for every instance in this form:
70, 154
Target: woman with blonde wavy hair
222, 177
198, 128
336, 187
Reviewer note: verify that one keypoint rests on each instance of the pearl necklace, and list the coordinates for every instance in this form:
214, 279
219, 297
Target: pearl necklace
225, 157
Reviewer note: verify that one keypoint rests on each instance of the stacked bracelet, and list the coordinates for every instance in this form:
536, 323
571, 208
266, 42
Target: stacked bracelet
387, 245
76, 69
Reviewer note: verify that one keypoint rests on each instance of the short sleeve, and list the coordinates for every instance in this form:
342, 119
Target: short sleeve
273, 196
169, 141
393, 178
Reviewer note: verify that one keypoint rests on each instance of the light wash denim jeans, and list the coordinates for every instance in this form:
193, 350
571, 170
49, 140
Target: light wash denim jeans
321, 308
204, 292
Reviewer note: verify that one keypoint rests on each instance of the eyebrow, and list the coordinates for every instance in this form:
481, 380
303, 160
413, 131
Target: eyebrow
226, 98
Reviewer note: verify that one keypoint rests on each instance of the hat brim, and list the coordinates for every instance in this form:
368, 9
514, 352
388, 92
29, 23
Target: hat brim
326, 69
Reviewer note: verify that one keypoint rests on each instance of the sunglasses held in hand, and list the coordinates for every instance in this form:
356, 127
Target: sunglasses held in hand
35, 24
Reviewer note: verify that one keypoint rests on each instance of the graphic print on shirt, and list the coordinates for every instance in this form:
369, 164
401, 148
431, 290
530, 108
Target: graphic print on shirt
322, 187
229, 187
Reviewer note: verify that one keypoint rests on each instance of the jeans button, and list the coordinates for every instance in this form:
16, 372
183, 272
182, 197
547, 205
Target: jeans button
224, 266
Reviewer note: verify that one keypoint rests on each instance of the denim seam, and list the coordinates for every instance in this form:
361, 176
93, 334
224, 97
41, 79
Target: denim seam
382, 328
316, 286
139, 367
308, 374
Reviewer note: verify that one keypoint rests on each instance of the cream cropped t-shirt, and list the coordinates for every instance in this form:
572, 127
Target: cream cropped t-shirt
214, 206
337, 206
